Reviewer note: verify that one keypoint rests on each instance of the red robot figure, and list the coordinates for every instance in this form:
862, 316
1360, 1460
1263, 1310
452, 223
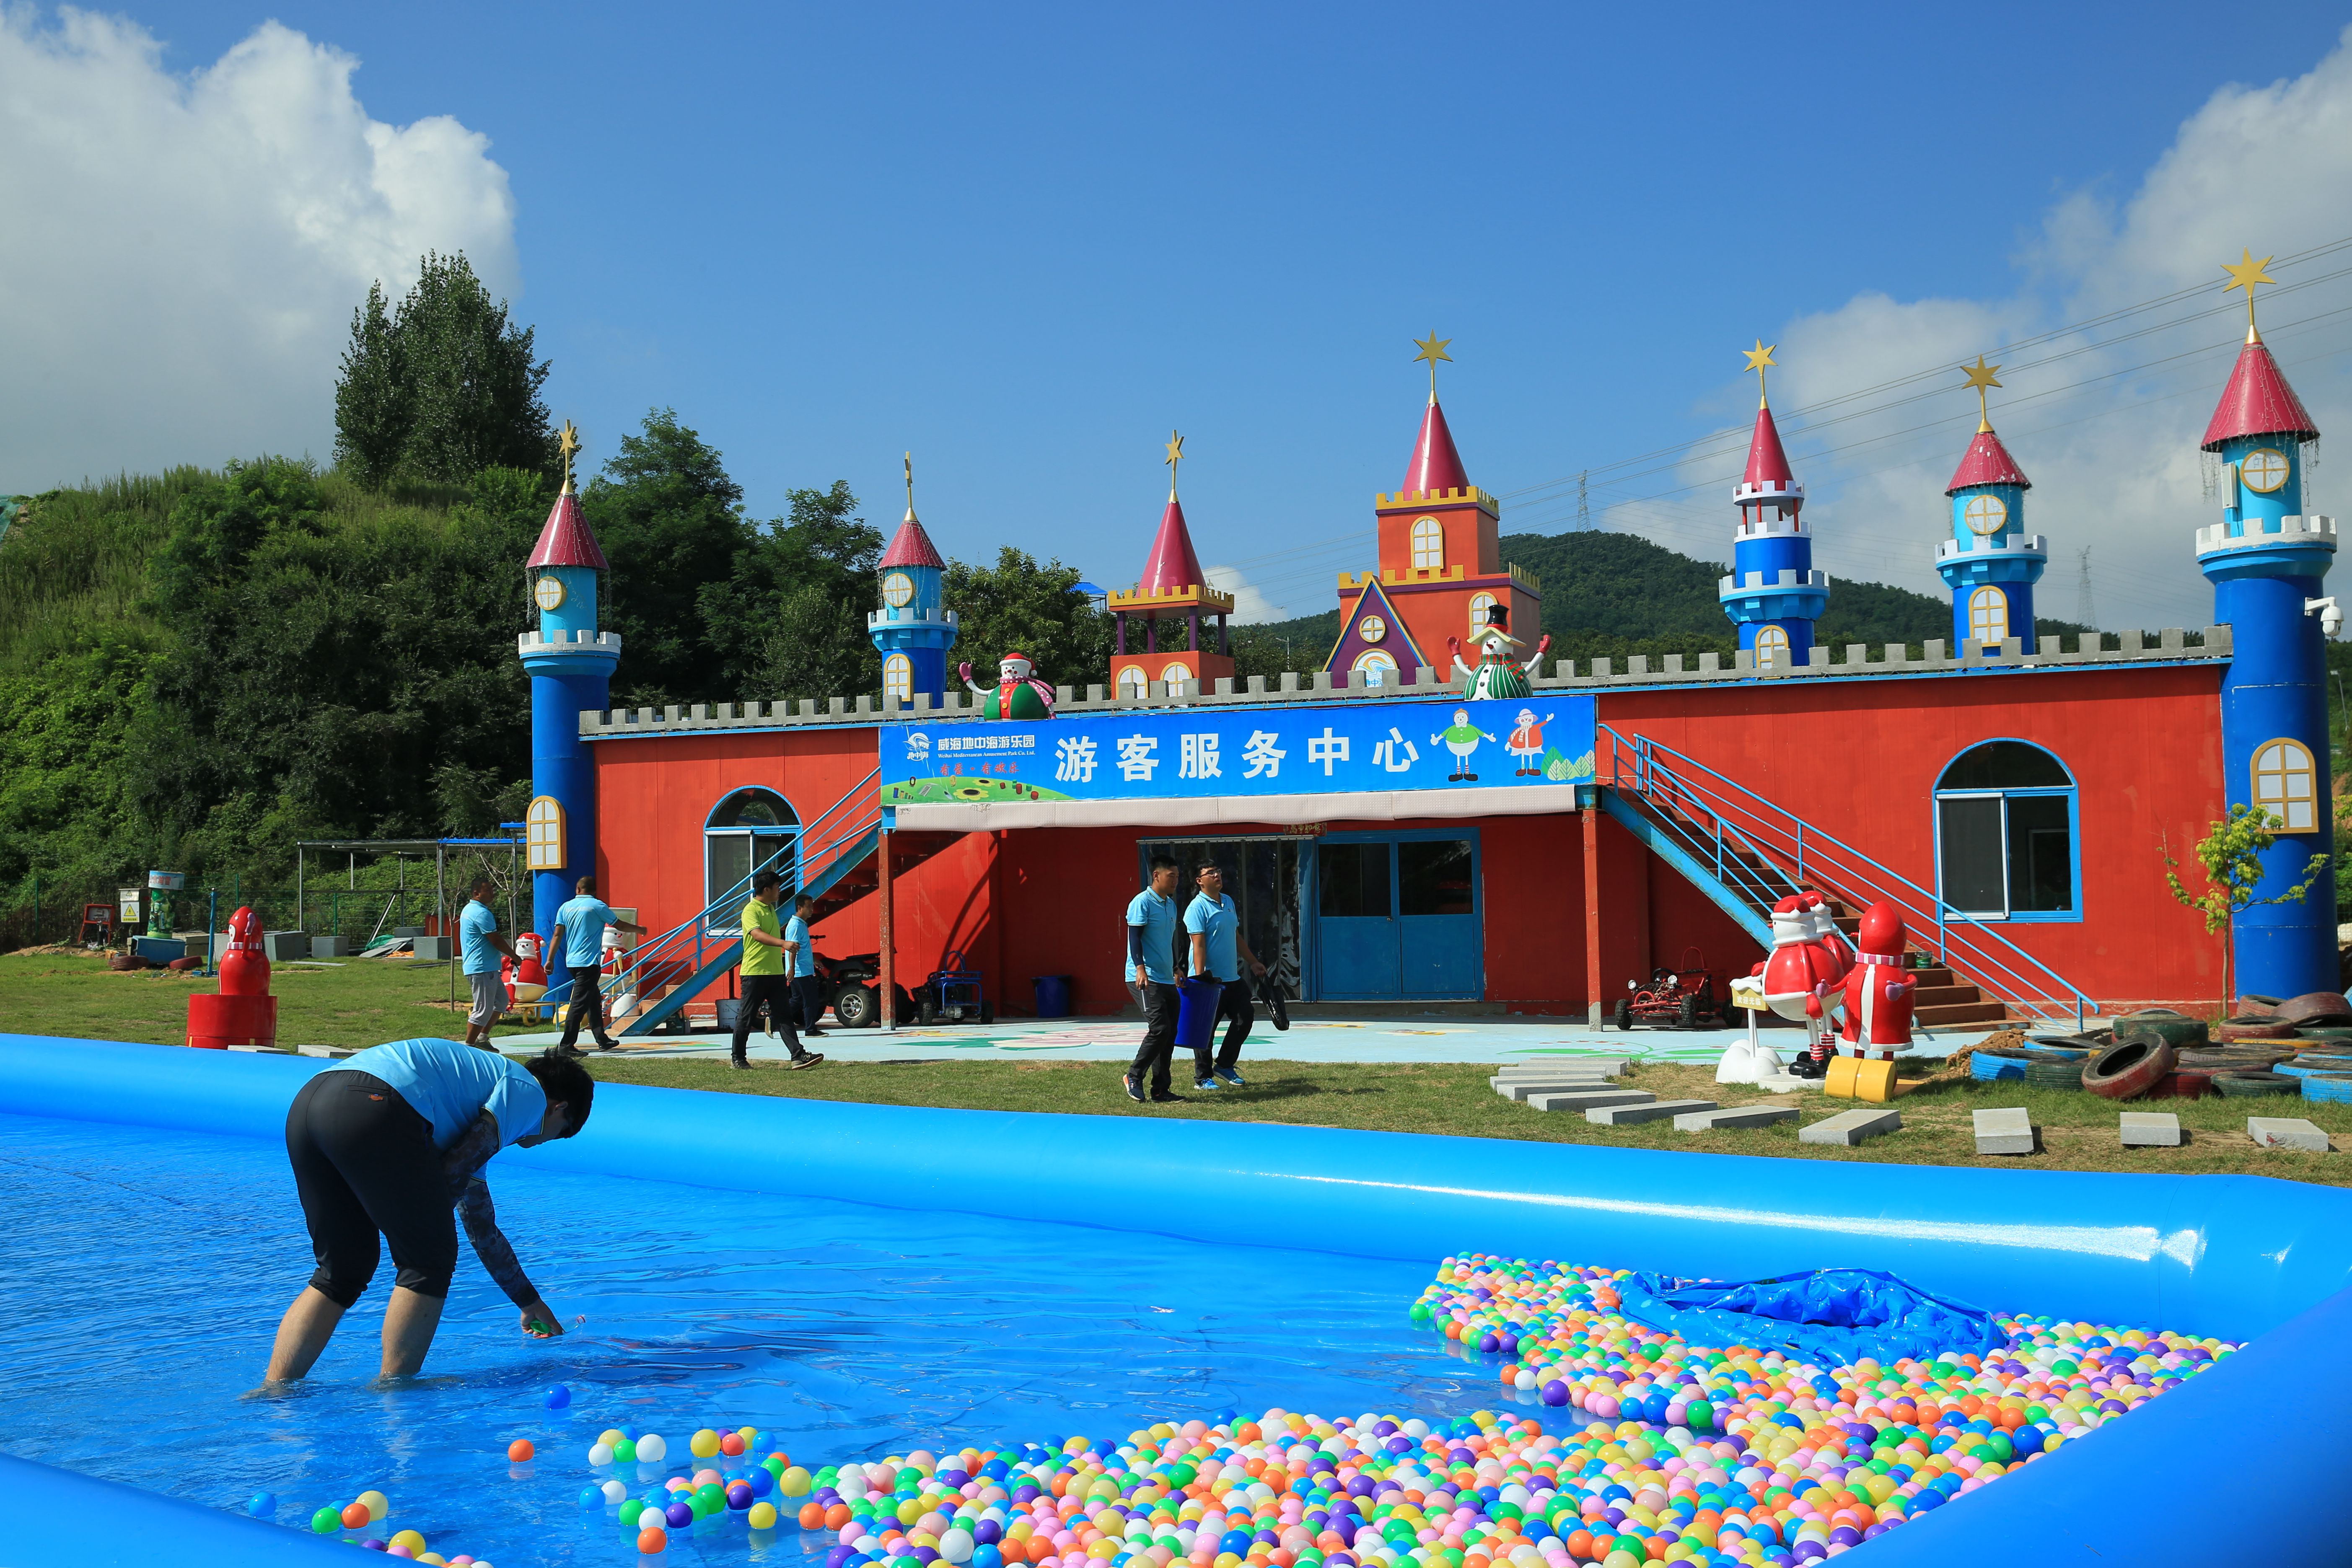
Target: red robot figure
242, 1012
1877, 996
1797, 978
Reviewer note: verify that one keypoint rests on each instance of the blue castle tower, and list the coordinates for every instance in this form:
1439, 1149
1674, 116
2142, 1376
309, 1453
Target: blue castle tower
571, 665
1991, 563
1773, 594
2266, 560
913, 629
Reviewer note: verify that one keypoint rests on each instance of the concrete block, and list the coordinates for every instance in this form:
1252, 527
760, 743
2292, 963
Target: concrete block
435, 949
284, 947
1557, 1083
1848, 1128
1586, 1098
330, 947
1656, 1111
2152, 1130
2004, 1131
1607, 1066
2286, 1133
1733, 1116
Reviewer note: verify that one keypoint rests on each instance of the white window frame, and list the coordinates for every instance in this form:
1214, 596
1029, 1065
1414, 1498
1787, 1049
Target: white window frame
2289, 810
1428, 545
1771, 646
898, 678
1980, 621
544, 833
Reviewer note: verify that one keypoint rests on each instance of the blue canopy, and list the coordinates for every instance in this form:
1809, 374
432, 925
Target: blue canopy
1832, 1316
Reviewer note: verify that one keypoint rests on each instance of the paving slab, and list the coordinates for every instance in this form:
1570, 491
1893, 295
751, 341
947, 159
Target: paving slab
2006, 1131
1733, 1116
1848, 1128
2286, 1133
1656, 1111
1607, 1066
2152, 1130
1586, 1098
1555, 1084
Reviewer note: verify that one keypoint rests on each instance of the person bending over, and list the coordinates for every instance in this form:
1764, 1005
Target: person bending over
386, 1144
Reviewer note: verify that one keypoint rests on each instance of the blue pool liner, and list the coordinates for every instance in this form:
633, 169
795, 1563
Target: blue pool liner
1832, 1316
2235, 1257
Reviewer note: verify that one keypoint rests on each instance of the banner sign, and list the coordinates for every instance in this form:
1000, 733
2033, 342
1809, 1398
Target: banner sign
1226, 752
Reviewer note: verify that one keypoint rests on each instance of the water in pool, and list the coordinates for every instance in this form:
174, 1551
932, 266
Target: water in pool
146, 1271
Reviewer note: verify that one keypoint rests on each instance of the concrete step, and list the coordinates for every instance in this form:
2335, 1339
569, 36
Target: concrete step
2286, 1133
1733, 1116
1656, 1111
1607, 1066
2007, 1131
1586, 1098
1963, 1013
1848, 1128
2152, 1130
1563, 1086
1945, 996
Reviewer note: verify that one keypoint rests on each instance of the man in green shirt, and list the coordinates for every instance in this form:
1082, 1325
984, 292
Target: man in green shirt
760, 977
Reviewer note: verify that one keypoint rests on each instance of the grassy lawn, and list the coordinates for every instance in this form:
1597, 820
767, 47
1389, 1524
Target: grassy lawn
365, 1002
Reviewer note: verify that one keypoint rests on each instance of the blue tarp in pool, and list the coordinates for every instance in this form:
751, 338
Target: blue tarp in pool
1833, 1316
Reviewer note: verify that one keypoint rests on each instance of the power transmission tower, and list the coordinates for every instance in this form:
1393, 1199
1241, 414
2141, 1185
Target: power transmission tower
1583, 506
2087, 610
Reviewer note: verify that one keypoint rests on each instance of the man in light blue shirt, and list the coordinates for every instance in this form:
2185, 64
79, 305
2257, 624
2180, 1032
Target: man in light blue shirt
1151, 965
800, 962
580, 936
1219, 949
480, 945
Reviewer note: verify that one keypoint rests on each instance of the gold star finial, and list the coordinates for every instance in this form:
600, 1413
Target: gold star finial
567, 441
2244, 273
1433, 349
910, 487
1175, 455
1759, 359
1980, 376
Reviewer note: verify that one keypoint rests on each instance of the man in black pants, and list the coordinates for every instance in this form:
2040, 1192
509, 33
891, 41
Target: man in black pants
1218, 951
1152, 965
761, 978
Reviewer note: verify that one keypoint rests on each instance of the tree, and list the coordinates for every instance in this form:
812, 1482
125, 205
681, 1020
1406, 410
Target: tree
2232, 857
671, 522
1018, 604
808, 580
442, 387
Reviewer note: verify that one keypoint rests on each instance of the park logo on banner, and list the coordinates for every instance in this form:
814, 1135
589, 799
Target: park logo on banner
1135, 754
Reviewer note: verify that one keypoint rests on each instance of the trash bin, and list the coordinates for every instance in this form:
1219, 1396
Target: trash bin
1053, 996
728, 1009
1196, 1013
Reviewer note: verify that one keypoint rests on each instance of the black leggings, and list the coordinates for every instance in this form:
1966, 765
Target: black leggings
363, 1164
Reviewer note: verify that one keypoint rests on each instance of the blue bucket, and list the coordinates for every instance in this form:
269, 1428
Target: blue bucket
1053, 996
1196, 1013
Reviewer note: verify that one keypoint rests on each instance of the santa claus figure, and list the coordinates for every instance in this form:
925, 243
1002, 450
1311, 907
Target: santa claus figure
1017, 694
1826, 932
1798, 979
1877, 996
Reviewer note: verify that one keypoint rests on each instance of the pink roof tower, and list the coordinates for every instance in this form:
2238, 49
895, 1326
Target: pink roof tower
1172, 585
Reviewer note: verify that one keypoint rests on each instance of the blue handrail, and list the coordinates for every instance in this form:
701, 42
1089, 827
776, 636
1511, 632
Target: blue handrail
1775, 838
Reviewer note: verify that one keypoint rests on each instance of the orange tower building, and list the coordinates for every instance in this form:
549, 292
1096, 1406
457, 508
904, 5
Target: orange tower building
1172, 588
1440, 566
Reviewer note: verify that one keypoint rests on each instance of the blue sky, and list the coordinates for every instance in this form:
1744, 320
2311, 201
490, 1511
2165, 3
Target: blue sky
1025, 241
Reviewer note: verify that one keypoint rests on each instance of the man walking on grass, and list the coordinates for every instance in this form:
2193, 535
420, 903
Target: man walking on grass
1216, 939
800, 957
1151, 965
580, 934
760, 977
479, 945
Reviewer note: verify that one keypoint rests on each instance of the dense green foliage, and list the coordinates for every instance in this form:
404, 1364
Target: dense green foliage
1019, 605
440, 387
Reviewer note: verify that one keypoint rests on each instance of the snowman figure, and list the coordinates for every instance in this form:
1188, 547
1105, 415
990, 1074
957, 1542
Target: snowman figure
1499, 675
1017, 692
1460, 737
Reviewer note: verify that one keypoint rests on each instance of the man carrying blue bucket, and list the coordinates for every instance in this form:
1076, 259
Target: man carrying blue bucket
1218, 951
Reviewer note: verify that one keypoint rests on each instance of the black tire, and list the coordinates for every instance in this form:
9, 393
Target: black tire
2160, 1025
1687, 1015
2126, 1071
2055, 1074
2254, 1085
855, 1006
1624, 1015
987, 1013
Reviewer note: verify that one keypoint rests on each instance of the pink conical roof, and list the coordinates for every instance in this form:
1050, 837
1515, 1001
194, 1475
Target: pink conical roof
2258, 402
1171, 565
910, 546
1767, 463
1988, 463
565, 540
1435, 464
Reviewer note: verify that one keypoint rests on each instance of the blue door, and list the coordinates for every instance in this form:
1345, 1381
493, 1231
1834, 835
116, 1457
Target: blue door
1397, 916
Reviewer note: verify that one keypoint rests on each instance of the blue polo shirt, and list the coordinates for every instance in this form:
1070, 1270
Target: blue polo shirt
805, 956
1218, 922
450, 1086
1156, 916
473, 925
583, 920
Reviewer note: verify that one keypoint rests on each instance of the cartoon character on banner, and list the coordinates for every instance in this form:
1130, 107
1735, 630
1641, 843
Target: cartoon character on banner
1460, 737
1797, 979
1017, 694
1878, 997
1525, 744
1499, 675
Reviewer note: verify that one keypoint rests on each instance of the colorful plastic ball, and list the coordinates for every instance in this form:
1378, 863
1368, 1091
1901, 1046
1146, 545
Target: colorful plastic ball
410, 1539
629, 1512
378, 1505
653, 1448
519, 1451
678, 1515
591, 1497
355, 1516
731, 1444
650, 1541
610, 1436
740, 1496
762, 1483
703, 1444
397, 1550
987, 1557
261, 1504
761, 1517
600, 1455
326, 1520
795, 1482
614, 1491
625, 1452
558, 1397
373, 1543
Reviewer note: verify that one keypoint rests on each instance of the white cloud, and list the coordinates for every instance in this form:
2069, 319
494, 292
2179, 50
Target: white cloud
1250, 606
2108, 434
185, 251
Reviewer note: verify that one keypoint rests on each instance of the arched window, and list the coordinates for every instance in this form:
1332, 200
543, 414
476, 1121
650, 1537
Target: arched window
1479, 604
1771, 646
898, 678
543, 828
1132, 682
2285, 785
2005, 834
750, 831
1428, 545
1379, 669
1989, 616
